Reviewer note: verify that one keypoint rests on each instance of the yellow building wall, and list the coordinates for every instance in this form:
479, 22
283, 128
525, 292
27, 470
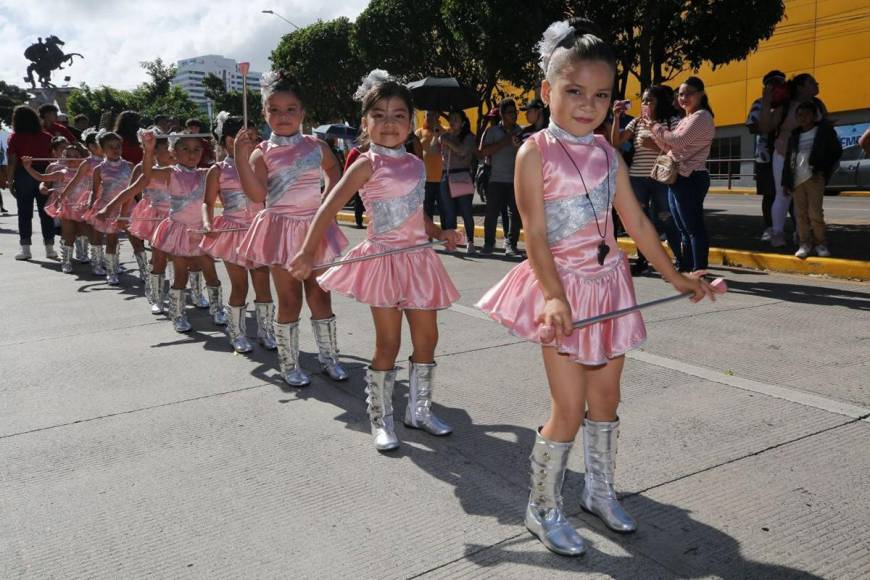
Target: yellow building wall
830, 39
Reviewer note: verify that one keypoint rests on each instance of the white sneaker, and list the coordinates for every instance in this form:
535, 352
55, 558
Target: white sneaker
767, 235
822, 251
777, 240
803, 252
470, 250
50, 253
24, 254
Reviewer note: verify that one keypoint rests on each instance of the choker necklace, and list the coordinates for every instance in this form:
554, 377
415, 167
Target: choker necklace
285, 139
603, 248
389, 152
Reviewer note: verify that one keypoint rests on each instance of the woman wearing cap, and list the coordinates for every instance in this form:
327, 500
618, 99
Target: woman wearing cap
537, 116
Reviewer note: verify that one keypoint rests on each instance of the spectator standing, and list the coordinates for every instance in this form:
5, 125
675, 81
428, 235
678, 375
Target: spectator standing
48, 117
429, 135
652, 195
358, 207
864, 141
772, 97
127, 126
457, 151
689, 145
537, 116
80, 123
500, 143
28, 139
811, 156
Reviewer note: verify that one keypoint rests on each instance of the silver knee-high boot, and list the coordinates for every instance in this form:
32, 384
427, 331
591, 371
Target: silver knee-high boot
97, 261
112, 269
379, 398
81, 245
66, 258
287, 337
327, 347
544, 515
216, 305
176, 310
265, 312
237, 328
156, 293
598, 496
142, 262
418, 413
197, 298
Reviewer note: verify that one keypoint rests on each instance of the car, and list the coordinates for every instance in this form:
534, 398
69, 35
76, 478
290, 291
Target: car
853, 172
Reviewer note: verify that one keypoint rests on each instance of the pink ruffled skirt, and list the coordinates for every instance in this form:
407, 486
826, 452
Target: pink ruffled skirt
275, 238
106, 226
225, 245
52, 207
177, 239
145, 218
73, 209
517, 301
413, 280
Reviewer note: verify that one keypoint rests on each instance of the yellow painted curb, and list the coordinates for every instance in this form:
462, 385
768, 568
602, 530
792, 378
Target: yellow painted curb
751, 191
833, 267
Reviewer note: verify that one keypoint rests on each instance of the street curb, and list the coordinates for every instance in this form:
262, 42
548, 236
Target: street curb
833, 267
751, 191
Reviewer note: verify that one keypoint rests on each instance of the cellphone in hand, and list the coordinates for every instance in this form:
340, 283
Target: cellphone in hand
626, 105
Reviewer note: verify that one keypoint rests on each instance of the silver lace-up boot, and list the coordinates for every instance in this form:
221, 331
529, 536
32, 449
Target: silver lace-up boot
598, 496
81, 245
97, 261
544, 515
176, 310
327, 347
265, 312
111, 261
287, 337
66, 258
418, 413
216, 305
197, 298
156, 294
237, 328
142, 262
379, 398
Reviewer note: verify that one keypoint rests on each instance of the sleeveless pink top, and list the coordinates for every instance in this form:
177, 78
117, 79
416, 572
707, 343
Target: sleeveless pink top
293, 164
114, 178
186, 191
236, 204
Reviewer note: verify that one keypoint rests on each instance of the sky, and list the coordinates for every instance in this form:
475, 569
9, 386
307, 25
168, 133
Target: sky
115, 35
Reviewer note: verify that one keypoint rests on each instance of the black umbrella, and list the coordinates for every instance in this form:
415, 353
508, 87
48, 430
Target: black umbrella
442, 94
337, 131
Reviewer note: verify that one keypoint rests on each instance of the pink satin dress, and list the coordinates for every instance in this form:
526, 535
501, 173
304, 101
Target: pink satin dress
393, 198
74, 206
114, 178
238, 214
293, 197
181, 233
573, 224
52, 206
151, 209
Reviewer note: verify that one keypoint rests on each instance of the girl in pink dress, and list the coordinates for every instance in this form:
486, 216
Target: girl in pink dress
180, 233
74, 204
414, 283
284, 172
225, 233
110, 178
152, 208
567, 179
50, 187
58, 175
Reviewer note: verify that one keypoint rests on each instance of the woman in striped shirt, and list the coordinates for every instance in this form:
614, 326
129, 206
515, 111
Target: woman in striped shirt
656, 107
689, 145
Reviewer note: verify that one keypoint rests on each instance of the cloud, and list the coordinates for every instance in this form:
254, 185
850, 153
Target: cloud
115, 35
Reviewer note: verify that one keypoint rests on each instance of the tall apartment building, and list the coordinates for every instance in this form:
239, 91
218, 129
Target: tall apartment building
191, 72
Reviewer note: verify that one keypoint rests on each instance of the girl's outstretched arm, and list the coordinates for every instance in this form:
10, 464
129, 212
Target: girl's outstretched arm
355, 177
96, 184
212, 188
329, 166
149, 172
27, 163
529, 183
77, 178
644, 234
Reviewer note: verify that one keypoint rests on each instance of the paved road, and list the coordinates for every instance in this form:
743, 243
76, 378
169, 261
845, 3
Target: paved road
838, 210
130, 451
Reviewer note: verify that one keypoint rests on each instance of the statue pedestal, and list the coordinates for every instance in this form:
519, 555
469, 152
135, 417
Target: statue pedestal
53, 96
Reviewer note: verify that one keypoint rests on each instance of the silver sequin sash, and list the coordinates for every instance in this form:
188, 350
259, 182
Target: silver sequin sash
567, 215
389, 214
234, 200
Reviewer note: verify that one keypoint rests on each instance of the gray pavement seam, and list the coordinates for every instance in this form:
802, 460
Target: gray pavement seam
80, 334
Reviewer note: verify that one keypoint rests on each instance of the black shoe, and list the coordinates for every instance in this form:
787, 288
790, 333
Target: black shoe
639, 268
487, 250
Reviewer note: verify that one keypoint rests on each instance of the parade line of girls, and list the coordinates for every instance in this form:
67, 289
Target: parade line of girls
277, 217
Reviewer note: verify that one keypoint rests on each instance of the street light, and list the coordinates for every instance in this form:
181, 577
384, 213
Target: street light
273, 13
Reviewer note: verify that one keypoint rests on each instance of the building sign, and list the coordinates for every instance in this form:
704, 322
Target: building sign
849, 134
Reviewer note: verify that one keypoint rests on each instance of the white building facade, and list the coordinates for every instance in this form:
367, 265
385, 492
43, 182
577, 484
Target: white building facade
192, 71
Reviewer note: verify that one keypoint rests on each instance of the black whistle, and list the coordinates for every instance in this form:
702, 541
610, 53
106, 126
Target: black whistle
603, 250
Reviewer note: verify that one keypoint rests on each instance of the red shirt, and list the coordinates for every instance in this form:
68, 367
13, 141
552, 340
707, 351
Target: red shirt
351, 157
58, 130
30, 145
131, 151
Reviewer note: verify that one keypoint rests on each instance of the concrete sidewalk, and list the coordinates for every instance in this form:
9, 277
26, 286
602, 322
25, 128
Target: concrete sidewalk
130, 451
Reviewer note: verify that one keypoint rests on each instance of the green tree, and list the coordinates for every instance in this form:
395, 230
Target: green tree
231, 101
94, 102
321, 55
160, 83
10, 97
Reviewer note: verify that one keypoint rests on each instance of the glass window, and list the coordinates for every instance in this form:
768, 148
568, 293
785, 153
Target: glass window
724, 157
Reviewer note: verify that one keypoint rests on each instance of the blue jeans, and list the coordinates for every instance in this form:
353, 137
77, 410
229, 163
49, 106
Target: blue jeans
431, 198
451, 207
653, 197
26, 192
686, 198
